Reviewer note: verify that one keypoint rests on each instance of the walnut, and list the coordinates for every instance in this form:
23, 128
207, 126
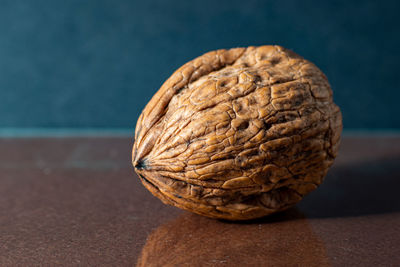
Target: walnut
238, 134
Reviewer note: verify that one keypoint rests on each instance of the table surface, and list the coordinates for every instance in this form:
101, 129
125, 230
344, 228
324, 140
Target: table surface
77, 201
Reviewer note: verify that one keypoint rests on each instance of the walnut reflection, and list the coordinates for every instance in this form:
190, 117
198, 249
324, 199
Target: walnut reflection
285, 239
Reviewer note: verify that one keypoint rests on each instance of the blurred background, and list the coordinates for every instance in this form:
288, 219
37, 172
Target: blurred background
73, 65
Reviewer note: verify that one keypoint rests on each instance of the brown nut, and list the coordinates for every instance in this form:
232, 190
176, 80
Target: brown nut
238, 134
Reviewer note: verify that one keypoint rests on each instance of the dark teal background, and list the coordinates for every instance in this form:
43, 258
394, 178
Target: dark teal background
89, 64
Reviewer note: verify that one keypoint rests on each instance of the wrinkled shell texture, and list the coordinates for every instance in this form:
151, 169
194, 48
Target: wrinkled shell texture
238, 134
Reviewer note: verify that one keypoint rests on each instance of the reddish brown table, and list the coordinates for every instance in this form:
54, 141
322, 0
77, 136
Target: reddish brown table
77, 201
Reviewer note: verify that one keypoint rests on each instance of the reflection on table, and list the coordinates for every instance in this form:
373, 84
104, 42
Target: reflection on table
280, 240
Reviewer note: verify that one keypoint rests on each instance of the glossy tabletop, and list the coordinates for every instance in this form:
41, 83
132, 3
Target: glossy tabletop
78, 202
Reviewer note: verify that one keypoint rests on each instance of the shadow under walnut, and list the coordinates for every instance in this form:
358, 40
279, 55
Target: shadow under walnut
238, 134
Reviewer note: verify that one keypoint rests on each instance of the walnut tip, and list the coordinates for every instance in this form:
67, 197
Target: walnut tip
140, 164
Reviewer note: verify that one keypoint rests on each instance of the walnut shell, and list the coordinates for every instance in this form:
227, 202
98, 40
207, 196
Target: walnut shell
238, 134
